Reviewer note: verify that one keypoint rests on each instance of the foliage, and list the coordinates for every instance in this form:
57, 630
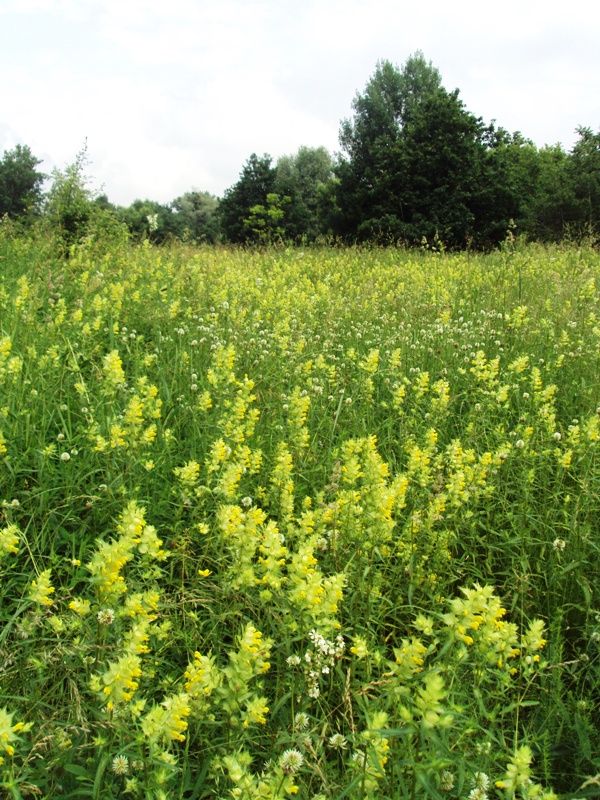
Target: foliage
257, 180
417, 165
303, 177
148, 219
312, 523
197, 215
585, 169
372, 143
20, 182
265, 223
75, 214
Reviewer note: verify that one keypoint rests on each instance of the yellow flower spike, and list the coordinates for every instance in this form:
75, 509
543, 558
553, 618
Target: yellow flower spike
113, 369
166, 722
9, 538
41, 589
8, 732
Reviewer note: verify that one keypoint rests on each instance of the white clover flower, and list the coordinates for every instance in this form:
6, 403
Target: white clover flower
559, 544
481, 781
120, 765
447, 781
301, 721
291, 761
106, 616
520, 444
337, 741
478, 794
65, 456
556, 436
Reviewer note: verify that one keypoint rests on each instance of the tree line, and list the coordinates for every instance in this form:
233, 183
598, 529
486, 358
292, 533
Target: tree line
415, 166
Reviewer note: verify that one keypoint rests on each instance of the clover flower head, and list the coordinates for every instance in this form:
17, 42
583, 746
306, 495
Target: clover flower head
481, 781
301, 721
337, 741
106, 616
447, 780
120, 765
478, 793
291, 761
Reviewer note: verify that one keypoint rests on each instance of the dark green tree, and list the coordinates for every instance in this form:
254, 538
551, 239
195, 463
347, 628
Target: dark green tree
553, 194
302, 178
152, 220
413, 160
257, 180
437, 171
20, 182
366, 172
197, 216
506, 192
584, 167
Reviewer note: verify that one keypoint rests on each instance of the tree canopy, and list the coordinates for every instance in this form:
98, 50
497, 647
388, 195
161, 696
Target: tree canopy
414, 164
20, 182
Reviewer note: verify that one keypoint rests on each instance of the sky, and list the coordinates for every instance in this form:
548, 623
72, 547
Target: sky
174, 95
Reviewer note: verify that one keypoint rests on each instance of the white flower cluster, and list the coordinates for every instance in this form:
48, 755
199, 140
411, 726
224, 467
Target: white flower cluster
320, 659
481, 784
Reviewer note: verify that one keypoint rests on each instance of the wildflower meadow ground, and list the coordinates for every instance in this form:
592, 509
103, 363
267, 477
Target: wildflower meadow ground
318, 523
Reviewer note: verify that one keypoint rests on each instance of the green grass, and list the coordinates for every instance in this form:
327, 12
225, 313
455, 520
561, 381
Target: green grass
339, 450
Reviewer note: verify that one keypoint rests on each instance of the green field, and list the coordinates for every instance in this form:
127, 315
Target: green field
313, 524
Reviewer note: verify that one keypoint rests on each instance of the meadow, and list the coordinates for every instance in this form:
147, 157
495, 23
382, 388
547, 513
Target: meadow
318, 523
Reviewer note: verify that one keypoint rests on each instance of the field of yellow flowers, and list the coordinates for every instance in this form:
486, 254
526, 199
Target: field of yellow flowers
319, 524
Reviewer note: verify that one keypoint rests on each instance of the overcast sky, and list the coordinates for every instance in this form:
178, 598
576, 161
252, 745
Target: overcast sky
176, 94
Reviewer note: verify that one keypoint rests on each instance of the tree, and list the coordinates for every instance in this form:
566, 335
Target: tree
438, 163
553, 193
584, 167
257, 180
76, 215
147, 218
266, 221
366, 171
506, 192
302, 178
20, 182
197, 216
413, 159
69, 201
